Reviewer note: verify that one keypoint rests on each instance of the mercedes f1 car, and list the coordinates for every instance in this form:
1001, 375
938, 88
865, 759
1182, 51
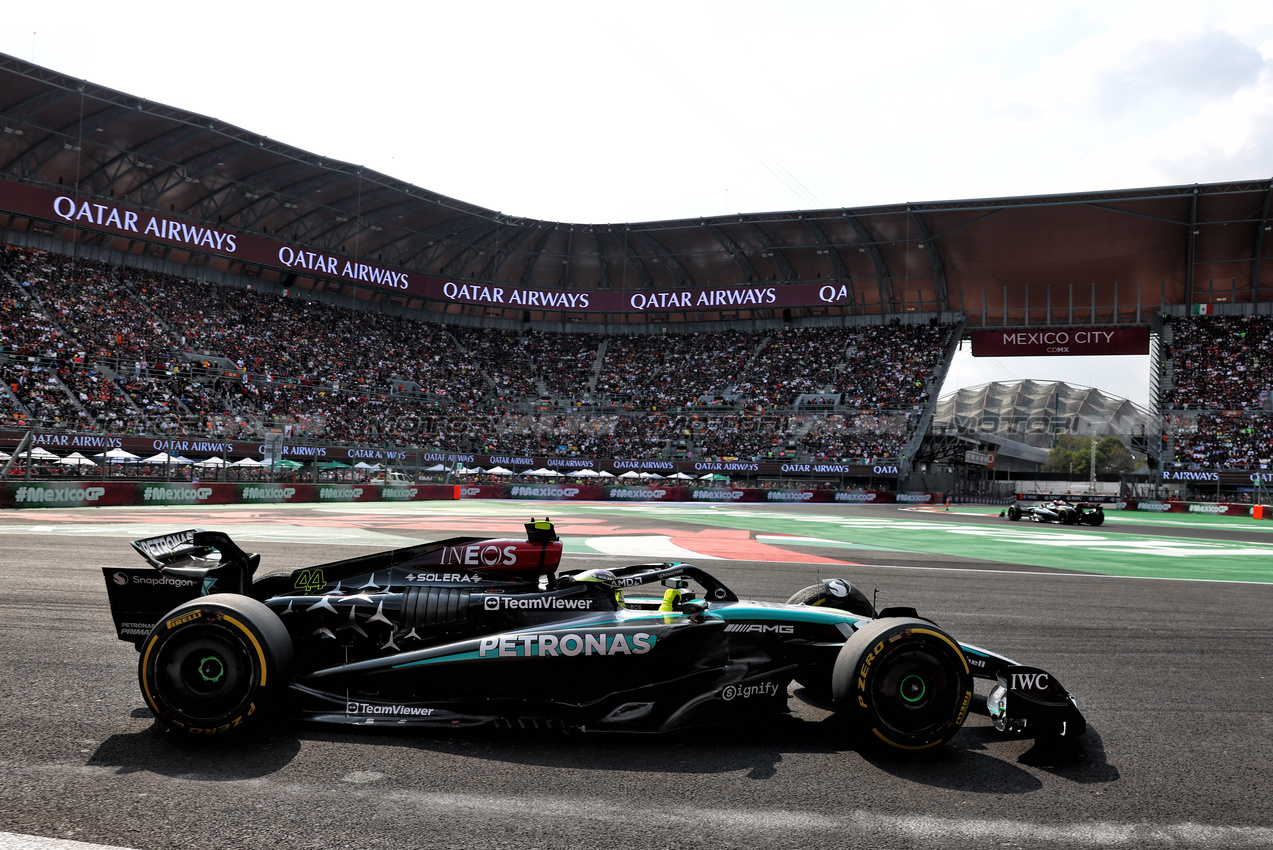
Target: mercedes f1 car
1066, 513
469, 631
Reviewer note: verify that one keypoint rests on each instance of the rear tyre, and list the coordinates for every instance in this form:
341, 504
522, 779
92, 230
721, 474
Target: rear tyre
842, 595
903, 685
215, 665
817, 678
1014, 512
1095, 518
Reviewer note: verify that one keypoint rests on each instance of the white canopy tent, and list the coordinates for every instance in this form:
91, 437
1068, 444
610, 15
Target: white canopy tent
164, 457
119, 456
499, 470
76, 459
543, 473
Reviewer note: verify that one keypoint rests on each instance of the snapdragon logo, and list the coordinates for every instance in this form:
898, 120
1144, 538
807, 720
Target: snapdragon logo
495, 602
546, 492
162, 582
781, 496
174, 494
58, 494
268, 493
570, 644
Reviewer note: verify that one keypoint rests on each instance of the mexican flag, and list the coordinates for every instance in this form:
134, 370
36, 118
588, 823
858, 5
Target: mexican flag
1204, 309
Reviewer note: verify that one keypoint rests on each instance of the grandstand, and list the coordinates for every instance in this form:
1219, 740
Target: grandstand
167, 276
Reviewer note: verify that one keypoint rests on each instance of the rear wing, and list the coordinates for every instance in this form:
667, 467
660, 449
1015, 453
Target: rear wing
190, 564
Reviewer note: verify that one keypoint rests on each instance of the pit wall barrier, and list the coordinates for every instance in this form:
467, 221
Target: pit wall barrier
1203, 508
80, 494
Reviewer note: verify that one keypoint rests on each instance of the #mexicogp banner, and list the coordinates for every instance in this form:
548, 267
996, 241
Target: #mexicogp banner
78, 494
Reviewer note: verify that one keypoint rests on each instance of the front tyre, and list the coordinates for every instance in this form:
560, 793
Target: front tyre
903, 684
215, 665
1014, 513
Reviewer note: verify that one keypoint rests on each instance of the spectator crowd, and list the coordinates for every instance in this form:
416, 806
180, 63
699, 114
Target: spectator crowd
92, 347
1218, 391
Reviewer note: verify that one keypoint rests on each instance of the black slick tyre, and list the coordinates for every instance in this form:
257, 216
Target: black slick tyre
903, 685
215, 665
1014, 512
842, 595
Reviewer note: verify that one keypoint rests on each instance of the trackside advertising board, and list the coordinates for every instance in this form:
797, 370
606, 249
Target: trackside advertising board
67, 494
1196, 508
84, 494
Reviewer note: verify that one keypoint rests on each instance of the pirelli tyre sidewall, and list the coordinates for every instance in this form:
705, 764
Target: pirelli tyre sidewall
902, 684
1014, 512
215, 665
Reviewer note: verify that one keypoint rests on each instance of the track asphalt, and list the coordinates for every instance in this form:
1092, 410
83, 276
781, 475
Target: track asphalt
1159, 624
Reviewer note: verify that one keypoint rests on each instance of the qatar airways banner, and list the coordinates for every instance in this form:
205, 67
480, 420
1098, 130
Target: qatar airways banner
105, 216
95, 444
1051, 342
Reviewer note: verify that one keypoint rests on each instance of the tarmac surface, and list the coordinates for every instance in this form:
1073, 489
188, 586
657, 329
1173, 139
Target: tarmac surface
1170, 665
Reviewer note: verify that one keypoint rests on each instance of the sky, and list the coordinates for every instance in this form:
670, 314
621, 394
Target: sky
601, 112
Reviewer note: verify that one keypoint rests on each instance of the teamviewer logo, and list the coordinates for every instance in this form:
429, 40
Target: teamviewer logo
490, 602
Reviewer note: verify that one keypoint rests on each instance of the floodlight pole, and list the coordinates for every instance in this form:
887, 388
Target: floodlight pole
1092, 461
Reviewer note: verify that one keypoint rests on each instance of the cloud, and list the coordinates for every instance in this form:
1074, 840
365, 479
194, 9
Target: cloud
1210, 64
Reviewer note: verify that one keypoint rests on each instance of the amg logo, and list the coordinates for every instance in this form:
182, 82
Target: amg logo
759, 629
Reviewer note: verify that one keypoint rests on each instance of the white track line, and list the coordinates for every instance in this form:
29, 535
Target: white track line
13, 841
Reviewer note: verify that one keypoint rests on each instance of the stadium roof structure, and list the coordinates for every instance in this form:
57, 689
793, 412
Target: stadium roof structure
1032, 412
1111, 257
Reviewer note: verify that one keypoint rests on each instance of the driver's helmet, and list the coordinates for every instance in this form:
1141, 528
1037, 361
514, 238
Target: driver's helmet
602, 577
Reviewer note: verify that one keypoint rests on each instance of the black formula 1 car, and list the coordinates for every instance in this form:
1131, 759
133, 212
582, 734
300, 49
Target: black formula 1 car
469, 631
1062, 511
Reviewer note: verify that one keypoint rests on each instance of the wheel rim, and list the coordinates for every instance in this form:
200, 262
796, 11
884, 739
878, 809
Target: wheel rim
915, 692
205, 675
